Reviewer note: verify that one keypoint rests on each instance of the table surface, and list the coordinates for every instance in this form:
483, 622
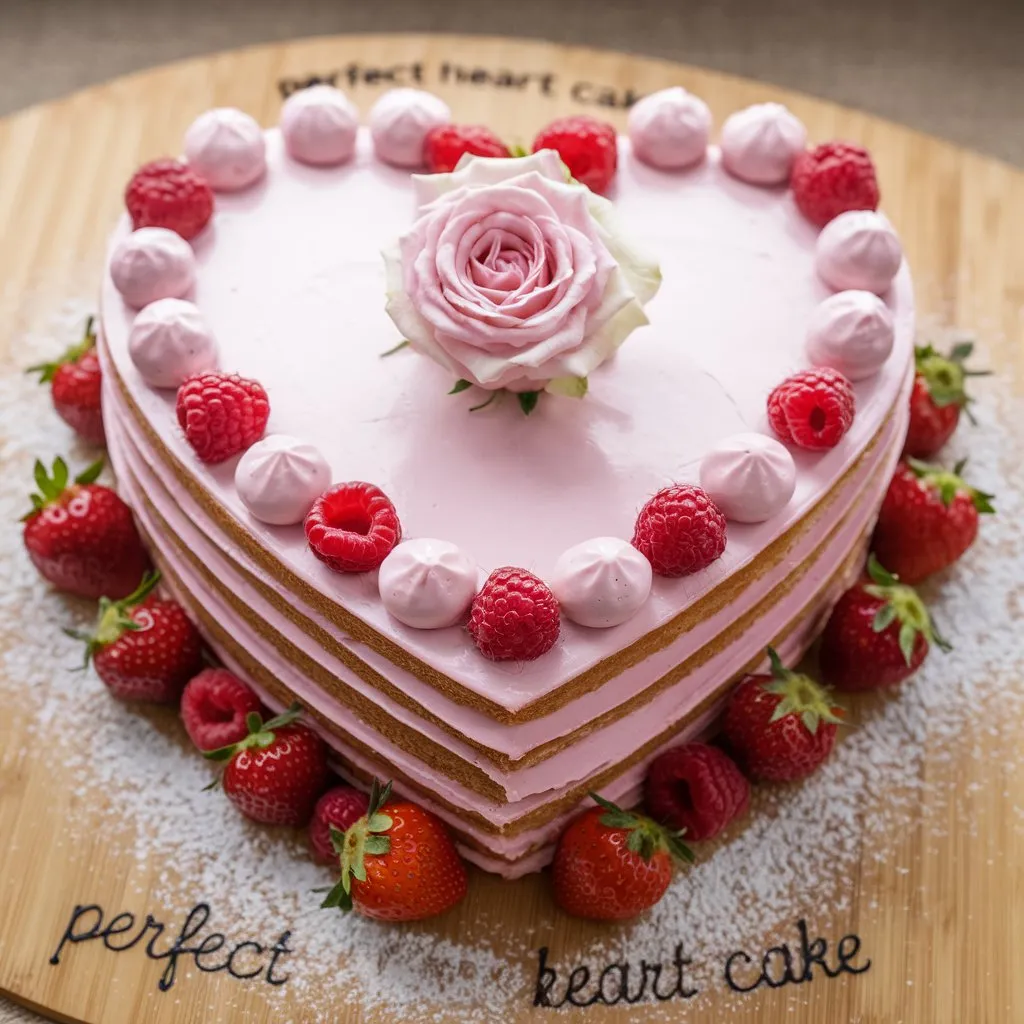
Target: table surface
951, 923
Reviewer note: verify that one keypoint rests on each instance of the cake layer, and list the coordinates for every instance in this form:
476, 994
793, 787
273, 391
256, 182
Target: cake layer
291, 282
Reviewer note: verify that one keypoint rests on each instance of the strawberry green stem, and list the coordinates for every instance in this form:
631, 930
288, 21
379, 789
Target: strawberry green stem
47, 371
950, 483
801, 696
904, 607
646, 837
113, 619
261, 734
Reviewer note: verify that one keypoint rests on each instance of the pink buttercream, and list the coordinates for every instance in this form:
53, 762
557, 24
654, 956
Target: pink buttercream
279, 478
852, 332
859, 250
670, 128
169, 341
319, 126
226, 146
750, 477
151, 264
760, 143
427, 583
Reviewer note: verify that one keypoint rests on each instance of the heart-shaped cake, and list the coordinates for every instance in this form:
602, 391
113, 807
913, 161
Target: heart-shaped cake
512, 506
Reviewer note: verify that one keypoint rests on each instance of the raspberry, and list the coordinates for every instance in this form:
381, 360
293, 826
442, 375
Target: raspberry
169, 194
221, 414
352, 527
340, 807
680, 531
588, 147
446, 144
514, 617
812, 409
833, 178
214, 707
696, 789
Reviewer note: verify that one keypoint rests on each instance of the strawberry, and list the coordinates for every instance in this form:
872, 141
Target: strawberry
81, 536
397, 863
338, 809
75, 381
781, 727
446, 144
878, 634
587, 146
612, 865
277, 772
938, 397
929, 518
144, 648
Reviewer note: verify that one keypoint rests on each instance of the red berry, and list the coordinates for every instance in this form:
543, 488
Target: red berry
169, 194
277, 772
780, 727
812, 409
928, 519
696, 790
833, 178
339, 808
878, 634
214, 707
447, 143
222, 414
680, 531
612, 865
939, 395
144, 648
514, 617
587, 146
75, 383
398, 862
352, 527
81, 536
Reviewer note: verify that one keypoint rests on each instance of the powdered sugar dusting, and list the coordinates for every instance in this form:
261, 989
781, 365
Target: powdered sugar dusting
796, 855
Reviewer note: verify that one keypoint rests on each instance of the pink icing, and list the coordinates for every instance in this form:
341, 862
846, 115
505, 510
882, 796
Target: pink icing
427, 583
170, 341
670, 128
859, 250
399, 122
601, 582
750, 477
279, 477
226, 146
151, 264
760, 143
319, 126
852, 332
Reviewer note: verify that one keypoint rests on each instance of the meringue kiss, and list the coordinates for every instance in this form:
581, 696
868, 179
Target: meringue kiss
601, 582
427, 583
279, 478
749, 477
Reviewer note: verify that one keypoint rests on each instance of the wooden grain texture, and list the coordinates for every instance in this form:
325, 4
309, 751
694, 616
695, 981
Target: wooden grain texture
944, 937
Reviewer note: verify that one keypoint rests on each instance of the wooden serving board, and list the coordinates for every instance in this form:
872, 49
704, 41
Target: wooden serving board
944, 937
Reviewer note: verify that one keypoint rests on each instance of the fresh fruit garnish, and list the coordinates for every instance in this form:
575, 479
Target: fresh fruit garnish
352, 527
587, 146
275, 775
833, 178
169, 194
878, 634
75, 381
143, 648
612, 865
782, 726
939, 396
812, 409
680, 531
929, 518
214, 708
338, 809
81, 536
222, 414
446, 144
514, 617
397, 862
696, 789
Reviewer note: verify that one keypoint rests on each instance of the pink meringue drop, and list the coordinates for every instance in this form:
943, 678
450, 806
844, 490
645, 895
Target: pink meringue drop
226, 146
399, 122
760, 143
602, 582
169, 341
151, 264
858, 250
427, 583
852, 332
279, 478
749, 477
319, 126
669, 129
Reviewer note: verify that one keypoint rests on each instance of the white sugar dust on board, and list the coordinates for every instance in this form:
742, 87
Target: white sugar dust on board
798, 855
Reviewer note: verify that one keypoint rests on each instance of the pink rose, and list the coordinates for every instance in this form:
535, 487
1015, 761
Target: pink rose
513, 276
